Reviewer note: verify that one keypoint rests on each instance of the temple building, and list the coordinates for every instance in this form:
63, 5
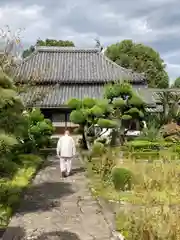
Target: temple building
57, 74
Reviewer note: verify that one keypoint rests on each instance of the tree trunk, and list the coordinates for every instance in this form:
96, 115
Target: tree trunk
114, 137
122, 139
84, 141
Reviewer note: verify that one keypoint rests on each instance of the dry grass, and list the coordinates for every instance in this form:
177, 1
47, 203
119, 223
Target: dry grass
154, 212
155, 182
151, 210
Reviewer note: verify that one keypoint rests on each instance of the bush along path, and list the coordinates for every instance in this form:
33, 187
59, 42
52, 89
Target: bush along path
56, 208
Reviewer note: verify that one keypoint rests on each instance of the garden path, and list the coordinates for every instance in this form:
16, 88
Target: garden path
58, 209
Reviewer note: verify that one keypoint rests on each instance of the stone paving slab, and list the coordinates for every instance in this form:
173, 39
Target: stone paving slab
55, 208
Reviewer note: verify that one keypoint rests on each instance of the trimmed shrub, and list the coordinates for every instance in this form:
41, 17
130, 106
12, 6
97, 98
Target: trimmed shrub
122, 178
141, 145
149, 155
98, 149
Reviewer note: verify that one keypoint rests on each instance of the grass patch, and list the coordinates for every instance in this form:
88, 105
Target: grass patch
151, 209
12, 188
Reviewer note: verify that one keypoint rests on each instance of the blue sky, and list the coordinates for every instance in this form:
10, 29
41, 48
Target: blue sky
152, 22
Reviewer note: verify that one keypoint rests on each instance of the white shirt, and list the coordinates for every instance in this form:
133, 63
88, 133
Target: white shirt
66, 146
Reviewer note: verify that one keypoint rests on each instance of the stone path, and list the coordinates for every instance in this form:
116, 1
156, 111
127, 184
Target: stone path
58, 209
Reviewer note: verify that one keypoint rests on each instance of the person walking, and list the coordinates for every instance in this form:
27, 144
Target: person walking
66, 151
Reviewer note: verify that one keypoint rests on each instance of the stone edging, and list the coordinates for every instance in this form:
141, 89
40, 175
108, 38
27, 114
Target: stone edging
109, 218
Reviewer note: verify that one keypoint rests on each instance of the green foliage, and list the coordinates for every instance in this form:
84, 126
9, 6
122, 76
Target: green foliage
135, 101
75, 103
11, 188
118, 89
29, 160
106, 123
177, 83
7, 142
97, 111
20, 132
104, 105
145, 145
142, 59
170, 107
55, 43
152, 134
134, 112
119, 103
126, 117
119, 108
102, 160
7, 166
147, 155
88, 102
38, 132
28, 51
49, 43
98, 149
122, 178
35, 116
78, 116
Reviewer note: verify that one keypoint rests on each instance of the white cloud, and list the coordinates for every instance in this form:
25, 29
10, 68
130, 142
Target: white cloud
153, 22
30, 18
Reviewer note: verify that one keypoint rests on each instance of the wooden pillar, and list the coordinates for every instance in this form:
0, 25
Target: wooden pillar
65, 120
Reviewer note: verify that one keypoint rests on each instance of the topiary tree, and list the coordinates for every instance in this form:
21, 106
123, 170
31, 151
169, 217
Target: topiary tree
118, 110
127, 109
85, 113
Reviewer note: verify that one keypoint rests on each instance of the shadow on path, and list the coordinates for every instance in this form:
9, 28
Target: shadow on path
14, 231
59, 235
44, 196
19, 234
77, 170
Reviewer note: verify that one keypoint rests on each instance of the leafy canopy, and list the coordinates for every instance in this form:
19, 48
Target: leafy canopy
177, 83
48, 42
142, 59
118, 109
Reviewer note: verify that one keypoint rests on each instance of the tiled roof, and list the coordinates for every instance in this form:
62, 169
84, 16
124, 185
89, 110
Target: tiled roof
58, 95
156, 93
72, 65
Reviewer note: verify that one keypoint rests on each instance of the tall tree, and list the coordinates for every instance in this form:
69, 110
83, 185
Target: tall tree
48, 42
55, 43
142, 59
28, 51
176, 83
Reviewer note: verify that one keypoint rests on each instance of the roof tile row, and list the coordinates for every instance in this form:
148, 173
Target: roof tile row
72, 65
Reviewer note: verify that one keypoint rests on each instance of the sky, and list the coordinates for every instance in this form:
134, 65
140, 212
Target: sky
155, 23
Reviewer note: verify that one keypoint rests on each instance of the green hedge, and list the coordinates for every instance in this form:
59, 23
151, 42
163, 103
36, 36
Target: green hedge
11, 189
151, 155
139, 145
146, 150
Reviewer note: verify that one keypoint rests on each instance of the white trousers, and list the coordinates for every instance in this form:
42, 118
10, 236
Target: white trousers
66, 164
